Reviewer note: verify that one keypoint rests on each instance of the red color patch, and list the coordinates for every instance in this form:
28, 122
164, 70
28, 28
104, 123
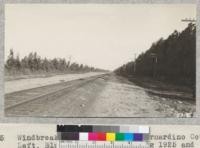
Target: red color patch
101, 136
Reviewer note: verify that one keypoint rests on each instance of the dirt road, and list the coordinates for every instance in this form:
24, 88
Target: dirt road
98, 96
29, 83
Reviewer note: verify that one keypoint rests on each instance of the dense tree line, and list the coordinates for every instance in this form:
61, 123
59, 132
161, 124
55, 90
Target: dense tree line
34, 63
172, 59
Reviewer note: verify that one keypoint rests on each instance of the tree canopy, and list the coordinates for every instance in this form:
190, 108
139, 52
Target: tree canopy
34, 63
172, 59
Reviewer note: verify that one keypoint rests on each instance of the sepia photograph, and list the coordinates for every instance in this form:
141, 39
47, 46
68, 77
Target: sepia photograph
100, 60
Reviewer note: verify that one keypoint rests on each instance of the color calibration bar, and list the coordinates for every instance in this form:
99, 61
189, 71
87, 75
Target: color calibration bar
103, 133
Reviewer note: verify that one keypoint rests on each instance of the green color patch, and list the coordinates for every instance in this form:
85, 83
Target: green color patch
119, 136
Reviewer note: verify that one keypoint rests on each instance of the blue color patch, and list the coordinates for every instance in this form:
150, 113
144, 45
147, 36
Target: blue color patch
128, 137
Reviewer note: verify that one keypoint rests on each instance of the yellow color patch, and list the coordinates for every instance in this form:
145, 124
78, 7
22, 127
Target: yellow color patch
110, 136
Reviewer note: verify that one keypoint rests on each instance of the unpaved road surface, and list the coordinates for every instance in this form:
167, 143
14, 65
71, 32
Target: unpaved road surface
22, 84
105, 95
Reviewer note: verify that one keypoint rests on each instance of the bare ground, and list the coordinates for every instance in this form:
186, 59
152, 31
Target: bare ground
107, 96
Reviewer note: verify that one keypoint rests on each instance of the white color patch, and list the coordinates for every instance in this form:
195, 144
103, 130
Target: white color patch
83, 136
143, 129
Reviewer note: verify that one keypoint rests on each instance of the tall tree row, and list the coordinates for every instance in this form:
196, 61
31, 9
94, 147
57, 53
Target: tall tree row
172, 59
34, 63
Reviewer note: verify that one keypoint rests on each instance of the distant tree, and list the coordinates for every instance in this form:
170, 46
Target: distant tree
31, 61
10, 61
62, 64
18, 63
55, 63
74, 66
24, 63
46, 65
36, 61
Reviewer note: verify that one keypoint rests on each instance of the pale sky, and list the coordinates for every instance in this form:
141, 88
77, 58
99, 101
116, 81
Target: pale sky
100, 35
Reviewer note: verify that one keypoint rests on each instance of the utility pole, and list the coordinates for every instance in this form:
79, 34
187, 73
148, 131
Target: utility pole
135, 64
189, 20
70, 57
69, 61
154, 64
